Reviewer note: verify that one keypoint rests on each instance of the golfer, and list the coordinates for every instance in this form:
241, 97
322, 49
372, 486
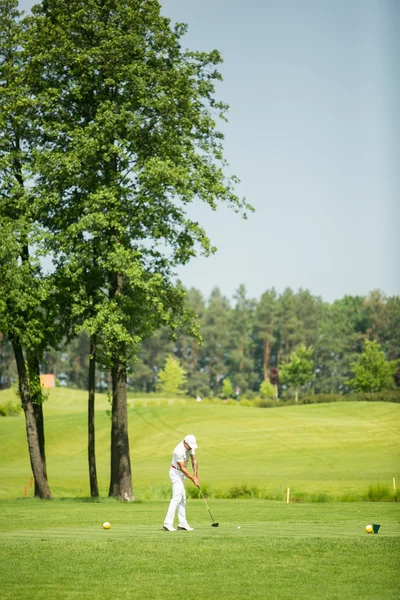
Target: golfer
177, 474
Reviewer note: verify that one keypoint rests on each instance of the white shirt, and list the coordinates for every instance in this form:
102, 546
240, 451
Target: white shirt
180, 454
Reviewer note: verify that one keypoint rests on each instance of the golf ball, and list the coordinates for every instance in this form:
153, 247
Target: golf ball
106, 525
238, 526
369, 528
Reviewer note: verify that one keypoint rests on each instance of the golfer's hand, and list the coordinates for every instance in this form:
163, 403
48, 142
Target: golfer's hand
196, 481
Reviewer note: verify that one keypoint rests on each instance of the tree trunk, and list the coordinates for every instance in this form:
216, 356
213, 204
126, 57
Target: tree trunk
266, 359
278, 360
37, 465
94, 489
297, 394
121, 477
37, 398
241, 352
314, 380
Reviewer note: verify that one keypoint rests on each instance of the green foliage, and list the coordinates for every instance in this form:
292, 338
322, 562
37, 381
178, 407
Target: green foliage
267, 390
240, 360
298, 371
372, 372
239, 492
379, 493
172, 379
9, 409
227, 388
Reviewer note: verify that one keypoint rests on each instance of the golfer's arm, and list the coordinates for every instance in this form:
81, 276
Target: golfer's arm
195, 465
185, 471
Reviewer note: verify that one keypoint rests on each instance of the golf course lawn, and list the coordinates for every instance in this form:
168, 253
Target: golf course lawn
320, 451
58, 550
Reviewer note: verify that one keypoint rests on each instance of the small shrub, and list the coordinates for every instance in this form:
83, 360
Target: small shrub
266, 403
245, 402
267, 390
194, 492
321, 398
379, 493
9, 409
239, 491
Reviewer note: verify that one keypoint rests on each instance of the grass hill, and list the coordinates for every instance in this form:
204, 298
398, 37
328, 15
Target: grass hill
344, 450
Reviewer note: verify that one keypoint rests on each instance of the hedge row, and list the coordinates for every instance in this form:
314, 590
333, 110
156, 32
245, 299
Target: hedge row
385, 396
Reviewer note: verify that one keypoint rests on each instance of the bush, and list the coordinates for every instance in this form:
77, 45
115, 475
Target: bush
268, 403
245, 402
239, 492
9, 409
384, 396
267, 390
194, 492
321, 398
379, 493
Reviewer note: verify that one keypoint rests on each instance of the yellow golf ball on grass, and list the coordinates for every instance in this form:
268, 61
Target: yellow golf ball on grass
106, 525
369, 528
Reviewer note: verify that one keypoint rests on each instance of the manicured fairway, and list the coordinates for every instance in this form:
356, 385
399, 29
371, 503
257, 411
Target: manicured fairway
337, 450
59, 551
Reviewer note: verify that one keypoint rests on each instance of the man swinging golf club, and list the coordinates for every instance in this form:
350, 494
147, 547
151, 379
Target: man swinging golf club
177, 474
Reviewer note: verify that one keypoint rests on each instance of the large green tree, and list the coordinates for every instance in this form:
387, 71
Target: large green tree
372, 372
265, 327
24, 310
298, 371
172, 378
289, 326
128, 138
215, 332
241, 340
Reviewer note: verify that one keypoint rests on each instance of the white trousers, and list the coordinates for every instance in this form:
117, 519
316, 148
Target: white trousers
178, 500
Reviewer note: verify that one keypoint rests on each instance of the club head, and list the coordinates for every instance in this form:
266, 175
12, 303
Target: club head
214, 524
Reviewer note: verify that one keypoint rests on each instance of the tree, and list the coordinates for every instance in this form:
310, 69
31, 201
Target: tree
298, 371
215, 333
227, 388
265, 327
128, 139
396, 376
23, 290
372, 372
390, 328
289, 326
187, 347
267, 390
172, 379
7, 363
241, 340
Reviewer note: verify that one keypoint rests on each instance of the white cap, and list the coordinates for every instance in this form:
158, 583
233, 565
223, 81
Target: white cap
191, 441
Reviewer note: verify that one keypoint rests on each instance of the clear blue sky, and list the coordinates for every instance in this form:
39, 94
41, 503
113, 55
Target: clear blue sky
314, 136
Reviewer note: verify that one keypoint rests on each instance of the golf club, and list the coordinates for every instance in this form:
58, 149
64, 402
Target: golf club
213, 524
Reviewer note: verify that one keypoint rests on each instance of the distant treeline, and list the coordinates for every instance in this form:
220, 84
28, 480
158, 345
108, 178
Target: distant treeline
244, 339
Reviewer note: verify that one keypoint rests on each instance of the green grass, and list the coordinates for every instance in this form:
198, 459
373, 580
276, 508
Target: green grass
59, 551
322, 452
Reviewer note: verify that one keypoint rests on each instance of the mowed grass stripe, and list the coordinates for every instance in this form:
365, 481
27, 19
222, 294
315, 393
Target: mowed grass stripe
58, 550
250, 530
